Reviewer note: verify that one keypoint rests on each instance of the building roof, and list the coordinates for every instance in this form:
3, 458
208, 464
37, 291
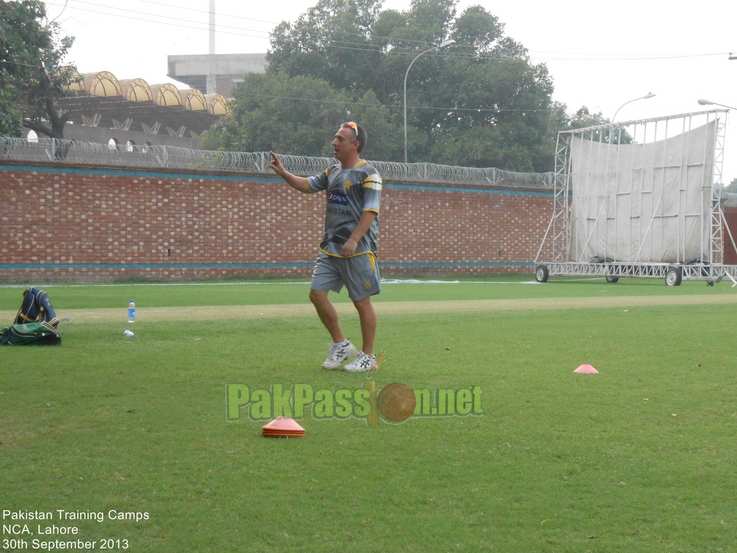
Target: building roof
102, 100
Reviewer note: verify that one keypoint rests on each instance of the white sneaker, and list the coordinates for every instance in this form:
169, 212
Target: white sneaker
361, 363
338, 354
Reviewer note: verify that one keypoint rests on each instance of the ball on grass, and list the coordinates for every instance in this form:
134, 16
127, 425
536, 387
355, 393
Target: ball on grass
396, 402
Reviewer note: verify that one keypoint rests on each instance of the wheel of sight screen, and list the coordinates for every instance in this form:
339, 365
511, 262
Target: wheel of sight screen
673, 276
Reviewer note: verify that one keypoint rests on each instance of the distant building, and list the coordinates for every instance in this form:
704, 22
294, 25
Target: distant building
109, 110
218, 73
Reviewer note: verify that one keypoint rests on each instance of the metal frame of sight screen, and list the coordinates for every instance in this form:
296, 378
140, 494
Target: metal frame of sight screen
640, 198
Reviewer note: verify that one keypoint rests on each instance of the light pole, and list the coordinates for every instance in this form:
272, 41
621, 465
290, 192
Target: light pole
645, 97
438, 47
710, 103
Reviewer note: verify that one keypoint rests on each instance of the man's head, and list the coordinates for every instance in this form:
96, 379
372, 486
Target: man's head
359, 134
348, 143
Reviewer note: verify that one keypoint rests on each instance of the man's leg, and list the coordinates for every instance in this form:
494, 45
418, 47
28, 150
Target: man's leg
341, 349
327, 313
367, 316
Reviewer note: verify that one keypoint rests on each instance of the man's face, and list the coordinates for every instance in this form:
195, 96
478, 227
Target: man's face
344, 145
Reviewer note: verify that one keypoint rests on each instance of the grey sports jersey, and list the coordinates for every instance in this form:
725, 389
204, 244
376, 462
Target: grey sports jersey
349, 192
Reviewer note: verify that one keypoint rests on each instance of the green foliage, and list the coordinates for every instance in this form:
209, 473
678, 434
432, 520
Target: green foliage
32, 72
583, 118
479, 102
11, 118
476, 29
264, 118
329, 42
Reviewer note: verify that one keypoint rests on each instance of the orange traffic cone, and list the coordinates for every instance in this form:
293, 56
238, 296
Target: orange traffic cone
283, 427
586, 369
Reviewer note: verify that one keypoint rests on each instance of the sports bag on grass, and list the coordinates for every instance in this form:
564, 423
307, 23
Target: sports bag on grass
36, 308
35, 324
30, 334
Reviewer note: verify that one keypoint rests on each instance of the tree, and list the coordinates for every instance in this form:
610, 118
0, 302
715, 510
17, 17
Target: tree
583, 119
480, 102
329, 42
32, 73
263, 118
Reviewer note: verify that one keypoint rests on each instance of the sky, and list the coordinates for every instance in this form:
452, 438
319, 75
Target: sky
601, 55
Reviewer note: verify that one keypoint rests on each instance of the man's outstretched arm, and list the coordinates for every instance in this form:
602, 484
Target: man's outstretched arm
298, 183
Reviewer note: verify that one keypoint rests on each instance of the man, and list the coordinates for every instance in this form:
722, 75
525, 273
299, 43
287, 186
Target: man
347, 255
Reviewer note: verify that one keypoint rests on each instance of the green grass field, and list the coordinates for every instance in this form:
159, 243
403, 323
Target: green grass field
638, 458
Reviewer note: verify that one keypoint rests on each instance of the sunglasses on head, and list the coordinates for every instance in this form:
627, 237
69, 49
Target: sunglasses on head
353, 126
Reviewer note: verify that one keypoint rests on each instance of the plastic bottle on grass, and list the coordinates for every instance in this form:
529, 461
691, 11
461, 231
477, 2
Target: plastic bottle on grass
132, 312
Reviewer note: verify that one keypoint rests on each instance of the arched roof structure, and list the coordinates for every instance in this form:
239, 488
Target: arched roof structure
103, 83
136, 90
166, 95
194, 100
217, 104
101, 100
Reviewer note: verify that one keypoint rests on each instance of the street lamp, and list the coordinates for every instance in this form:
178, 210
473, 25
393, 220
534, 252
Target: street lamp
710, 103
438, 47
645, 97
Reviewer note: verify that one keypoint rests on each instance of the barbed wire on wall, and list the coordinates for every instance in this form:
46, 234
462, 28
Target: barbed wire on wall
160, 156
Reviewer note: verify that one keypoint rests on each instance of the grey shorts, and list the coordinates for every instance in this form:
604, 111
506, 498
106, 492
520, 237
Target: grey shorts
359, 274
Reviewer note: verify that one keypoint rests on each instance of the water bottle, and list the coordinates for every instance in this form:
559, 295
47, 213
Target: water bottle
132, 312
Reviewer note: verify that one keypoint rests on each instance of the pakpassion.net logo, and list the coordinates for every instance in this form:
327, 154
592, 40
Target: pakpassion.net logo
393, 403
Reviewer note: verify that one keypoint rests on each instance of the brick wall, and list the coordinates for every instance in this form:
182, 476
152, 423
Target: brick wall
82, 224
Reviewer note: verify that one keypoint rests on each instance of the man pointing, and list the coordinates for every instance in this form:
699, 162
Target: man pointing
347, 253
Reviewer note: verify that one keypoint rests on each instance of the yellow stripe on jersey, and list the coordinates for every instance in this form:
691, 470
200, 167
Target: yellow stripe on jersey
371, 255
373, 182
